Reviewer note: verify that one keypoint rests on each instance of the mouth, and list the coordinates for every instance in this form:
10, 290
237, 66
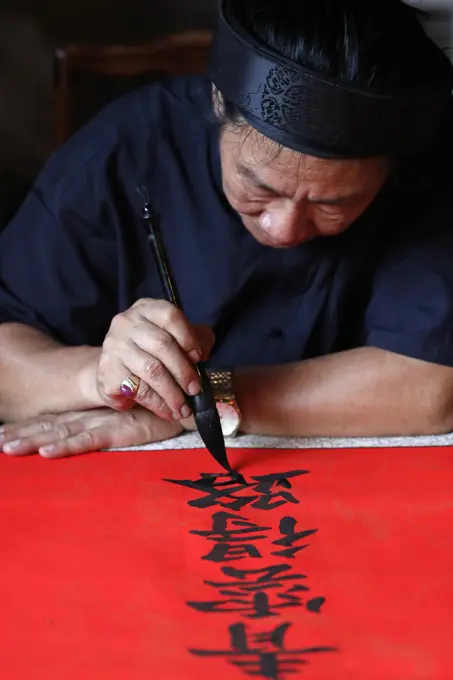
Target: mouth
266, 240
283, 244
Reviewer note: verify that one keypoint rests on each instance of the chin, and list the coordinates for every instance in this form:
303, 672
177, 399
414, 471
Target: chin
292, 244
266, 240
276, 244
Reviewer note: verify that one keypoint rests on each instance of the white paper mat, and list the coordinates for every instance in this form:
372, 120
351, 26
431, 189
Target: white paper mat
192, 441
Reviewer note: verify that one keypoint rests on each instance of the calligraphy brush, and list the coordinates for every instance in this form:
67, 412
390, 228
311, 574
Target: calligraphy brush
207, 419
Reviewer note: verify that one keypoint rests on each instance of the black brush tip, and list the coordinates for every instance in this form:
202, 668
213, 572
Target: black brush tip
210, 431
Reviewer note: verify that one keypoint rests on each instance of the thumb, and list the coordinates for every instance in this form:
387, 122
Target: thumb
206, 337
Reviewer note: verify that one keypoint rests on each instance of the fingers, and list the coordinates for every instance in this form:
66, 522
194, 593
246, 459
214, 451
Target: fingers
159, 361
65, 435
135, 345
206, 338
116, 431
110, 377
78, 433
28, 438
154, 342
164, 345
112, 373
170, 319
86, 441
158, 392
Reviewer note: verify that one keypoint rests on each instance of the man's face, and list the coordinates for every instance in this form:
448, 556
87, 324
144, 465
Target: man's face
285, 198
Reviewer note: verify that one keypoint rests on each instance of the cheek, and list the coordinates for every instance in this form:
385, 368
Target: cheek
241, 200
232, 191
329, 224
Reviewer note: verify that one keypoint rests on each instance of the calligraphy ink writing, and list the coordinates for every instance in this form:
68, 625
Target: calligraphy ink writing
265, 655
263, 493
287, 526
259, 593
229, 528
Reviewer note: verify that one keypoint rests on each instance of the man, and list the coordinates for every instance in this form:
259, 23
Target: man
303, 201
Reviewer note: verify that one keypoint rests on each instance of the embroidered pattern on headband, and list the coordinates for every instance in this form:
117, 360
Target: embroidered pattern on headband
312, 114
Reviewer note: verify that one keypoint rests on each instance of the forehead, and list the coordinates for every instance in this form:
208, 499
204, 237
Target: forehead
261, 160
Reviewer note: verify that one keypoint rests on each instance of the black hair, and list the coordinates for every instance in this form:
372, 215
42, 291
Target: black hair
379, 43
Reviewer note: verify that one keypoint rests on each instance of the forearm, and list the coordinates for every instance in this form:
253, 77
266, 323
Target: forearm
363, 392
39, 375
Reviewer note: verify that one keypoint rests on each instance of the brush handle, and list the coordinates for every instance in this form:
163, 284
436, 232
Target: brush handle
163, 264
205, 400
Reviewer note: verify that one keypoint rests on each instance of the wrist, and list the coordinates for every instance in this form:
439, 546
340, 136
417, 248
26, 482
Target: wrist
247, 397
86, 377
222, 381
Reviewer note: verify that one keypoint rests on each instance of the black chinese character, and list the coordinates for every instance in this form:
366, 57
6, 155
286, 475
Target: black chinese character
234, 536
265, 486
287, 529
265, 655
265, 492
251, 596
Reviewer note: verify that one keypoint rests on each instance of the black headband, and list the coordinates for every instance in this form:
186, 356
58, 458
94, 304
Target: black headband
315, 115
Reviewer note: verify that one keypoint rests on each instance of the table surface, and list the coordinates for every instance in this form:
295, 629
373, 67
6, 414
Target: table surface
327, 565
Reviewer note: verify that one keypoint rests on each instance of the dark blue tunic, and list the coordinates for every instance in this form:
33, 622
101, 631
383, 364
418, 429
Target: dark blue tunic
77, 253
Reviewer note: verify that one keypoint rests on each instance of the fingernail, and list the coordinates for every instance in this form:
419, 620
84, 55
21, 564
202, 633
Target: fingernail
44, 450
195, 355
176, 416
186, 411
12, 446
194, 388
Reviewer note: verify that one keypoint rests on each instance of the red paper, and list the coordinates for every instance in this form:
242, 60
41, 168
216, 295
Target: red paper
99, 567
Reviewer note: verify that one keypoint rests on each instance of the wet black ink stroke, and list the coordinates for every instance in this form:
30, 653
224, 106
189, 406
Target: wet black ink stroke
259, 593
254, 594
263, 655
264, 492
229, 530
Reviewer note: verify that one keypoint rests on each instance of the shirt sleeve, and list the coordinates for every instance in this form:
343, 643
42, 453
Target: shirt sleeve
58, 256
411, 306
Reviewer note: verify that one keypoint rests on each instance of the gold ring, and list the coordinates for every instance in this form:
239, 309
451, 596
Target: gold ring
129, 387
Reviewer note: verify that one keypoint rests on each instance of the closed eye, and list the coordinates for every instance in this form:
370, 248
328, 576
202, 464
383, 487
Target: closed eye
340, 202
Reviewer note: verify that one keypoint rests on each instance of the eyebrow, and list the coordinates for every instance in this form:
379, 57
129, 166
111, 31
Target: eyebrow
250, 174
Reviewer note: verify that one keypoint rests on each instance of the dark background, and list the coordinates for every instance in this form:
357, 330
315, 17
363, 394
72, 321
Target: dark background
29, 32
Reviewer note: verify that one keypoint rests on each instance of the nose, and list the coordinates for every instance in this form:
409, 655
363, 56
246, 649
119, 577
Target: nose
286, 223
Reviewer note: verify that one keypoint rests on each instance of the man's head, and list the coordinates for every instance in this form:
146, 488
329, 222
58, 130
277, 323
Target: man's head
286, 196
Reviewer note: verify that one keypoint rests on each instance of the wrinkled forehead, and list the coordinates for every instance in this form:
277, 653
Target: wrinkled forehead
257, 157
249, 147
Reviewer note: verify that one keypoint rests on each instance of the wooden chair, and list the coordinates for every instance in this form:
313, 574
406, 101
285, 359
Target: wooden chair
178, 54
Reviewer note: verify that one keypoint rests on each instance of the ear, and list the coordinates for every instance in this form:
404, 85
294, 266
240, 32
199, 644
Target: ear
218, 103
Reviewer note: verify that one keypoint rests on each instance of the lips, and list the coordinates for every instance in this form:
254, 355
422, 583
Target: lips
266, 240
